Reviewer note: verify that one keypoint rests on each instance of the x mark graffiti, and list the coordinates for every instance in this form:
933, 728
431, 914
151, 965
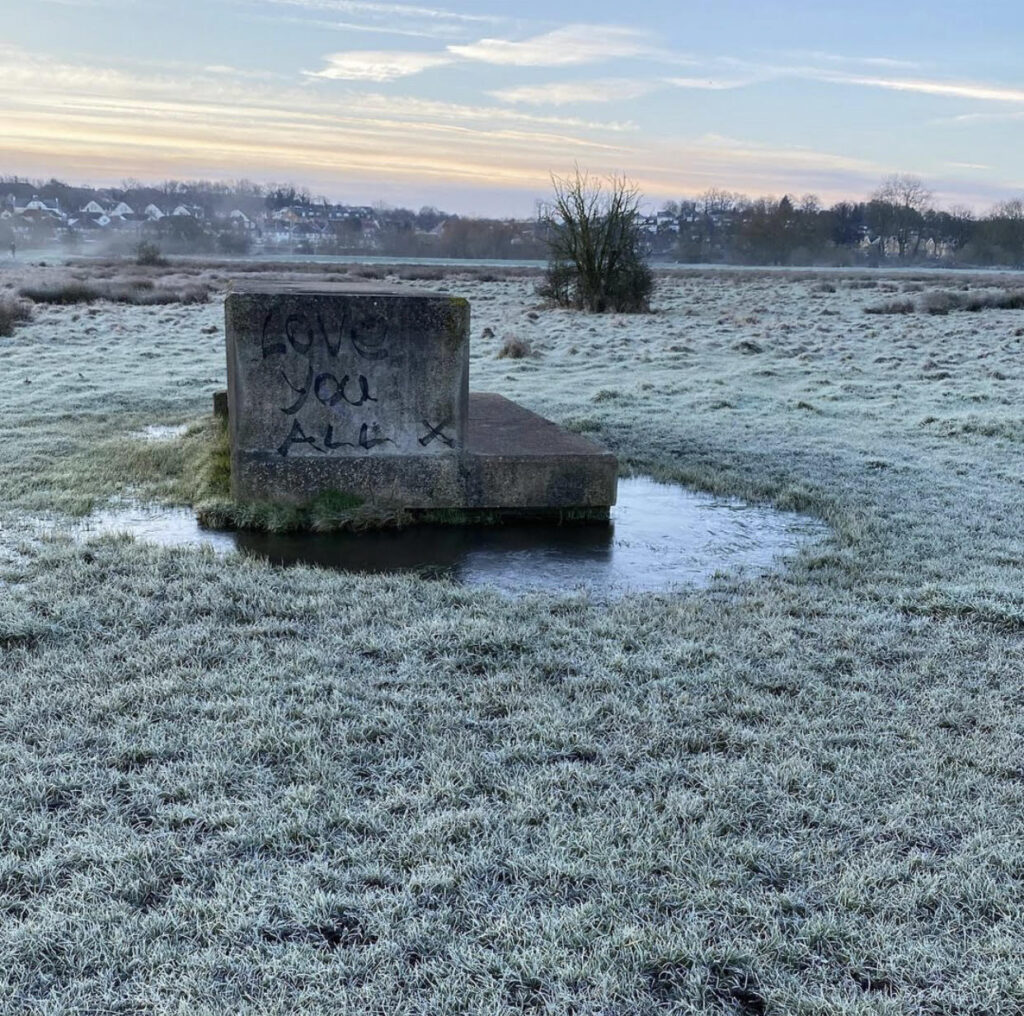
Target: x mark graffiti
436, 433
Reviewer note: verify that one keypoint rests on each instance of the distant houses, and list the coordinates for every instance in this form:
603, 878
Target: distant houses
39, 219
221, 220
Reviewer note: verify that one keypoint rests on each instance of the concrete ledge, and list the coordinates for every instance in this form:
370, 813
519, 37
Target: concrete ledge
517, 459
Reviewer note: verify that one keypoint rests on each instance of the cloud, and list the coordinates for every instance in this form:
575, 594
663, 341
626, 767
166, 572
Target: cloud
953, 89
388, 10
410, 31
377, 65
712, 84
124, 117
149, 125
569, 46
743, 72
89, 3
980, 118
563, 93
737, 151
819, 56
383, 18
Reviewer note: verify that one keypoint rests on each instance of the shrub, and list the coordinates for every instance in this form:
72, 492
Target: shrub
514, 348
595, 247
62, 293
147, 253
996, 301
229, 242
13, 313
941, 302
416, 274
141, 293
892, 307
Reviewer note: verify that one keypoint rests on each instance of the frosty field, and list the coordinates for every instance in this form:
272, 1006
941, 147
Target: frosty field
230, 788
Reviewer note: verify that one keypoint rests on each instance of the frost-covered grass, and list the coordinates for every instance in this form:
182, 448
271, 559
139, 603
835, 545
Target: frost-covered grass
232, 788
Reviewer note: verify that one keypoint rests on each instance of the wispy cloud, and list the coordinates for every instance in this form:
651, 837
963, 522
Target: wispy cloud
377, 65
736, 150
726, 72
954, 89
564, 93
819, 56
409, 20
966, 118
574, 45
144, 124
89, 3
389, 10
713, 84
395, 28
571, 45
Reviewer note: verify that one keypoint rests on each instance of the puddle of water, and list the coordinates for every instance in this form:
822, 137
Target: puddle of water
660, 536
168, 527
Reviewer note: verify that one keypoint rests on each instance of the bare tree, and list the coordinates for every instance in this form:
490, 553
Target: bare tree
901, 202
595, 245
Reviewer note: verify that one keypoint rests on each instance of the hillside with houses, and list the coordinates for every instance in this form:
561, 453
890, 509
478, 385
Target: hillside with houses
213, 219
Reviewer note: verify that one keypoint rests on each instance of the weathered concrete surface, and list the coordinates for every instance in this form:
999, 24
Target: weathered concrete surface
363, 390
517, 459
514, 460
341, 380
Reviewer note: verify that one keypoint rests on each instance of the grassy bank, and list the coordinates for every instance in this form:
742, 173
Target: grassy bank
232, 788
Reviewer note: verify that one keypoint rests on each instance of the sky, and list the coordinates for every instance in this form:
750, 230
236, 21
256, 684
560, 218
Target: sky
471, 107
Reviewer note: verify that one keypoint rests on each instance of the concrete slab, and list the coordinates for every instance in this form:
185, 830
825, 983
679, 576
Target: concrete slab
516, 459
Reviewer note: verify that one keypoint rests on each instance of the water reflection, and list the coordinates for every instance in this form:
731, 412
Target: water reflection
455, 551
660, 536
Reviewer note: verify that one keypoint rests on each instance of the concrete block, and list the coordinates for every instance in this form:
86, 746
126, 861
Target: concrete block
364, 390
331, 384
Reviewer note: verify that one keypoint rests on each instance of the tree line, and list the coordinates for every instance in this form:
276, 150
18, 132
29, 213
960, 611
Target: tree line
898, 222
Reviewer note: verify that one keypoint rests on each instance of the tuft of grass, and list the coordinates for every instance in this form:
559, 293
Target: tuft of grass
208, 459
891, 307
64, 293
995, 301
514, 348
421, 274
142, 293
12, 314
939, 303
